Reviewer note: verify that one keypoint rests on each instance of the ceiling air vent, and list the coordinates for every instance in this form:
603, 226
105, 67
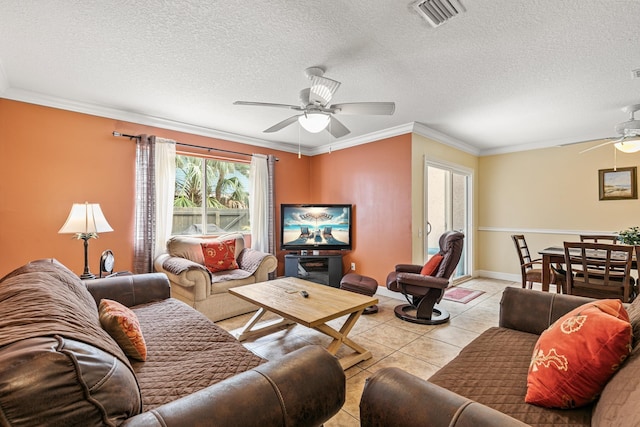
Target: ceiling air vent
437, 12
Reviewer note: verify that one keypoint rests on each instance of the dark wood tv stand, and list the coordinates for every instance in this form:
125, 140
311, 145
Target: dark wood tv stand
323, 269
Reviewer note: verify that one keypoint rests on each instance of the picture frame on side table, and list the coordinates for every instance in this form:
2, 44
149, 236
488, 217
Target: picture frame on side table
618, 184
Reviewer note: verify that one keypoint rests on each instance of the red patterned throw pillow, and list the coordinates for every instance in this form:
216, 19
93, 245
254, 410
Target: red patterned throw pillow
576, 356
432, 265
220, 256
123, 326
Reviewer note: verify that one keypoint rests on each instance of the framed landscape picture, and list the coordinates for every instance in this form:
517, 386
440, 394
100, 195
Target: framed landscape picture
618, 184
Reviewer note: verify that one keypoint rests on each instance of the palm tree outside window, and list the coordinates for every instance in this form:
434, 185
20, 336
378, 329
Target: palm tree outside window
211, 196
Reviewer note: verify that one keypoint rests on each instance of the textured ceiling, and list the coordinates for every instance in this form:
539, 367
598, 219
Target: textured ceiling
506, 75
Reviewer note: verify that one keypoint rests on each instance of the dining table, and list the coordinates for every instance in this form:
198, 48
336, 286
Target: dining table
555, 254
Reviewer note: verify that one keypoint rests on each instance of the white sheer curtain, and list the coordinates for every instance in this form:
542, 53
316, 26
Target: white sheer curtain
155, 181
259, 203
165, 189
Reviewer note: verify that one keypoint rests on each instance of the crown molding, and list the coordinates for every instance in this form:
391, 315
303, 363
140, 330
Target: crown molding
442, 138
142, 119
557, 143
363, 139
414, 127
128, 116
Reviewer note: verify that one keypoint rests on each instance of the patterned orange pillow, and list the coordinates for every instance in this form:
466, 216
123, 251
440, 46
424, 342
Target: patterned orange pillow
123, 326
432, 265
220, 256
576, 356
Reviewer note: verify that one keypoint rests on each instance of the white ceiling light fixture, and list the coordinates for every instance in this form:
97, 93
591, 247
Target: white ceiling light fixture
313, 122
629, 145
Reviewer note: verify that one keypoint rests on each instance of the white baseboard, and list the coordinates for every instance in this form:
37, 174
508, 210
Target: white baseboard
499, 275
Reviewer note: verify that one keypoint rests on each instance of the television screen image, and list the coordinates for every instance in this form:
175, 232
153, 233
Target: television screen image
319, 227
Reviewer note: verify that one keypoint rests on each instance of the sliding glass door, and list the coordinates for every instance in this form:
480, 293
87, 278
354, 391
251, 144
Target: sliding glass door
448, 207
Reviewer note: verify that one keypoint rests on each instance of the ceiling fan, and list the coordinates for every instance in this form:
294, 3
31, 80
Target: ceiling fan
629, 139
315, 112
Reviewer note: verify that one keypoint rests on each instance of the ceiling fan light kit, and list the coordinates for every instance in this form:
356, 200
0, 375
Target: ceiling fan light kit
629, 145
313, 122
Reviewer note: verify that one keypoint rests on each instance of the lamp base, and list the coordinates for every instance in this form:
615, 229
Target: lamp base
87, 274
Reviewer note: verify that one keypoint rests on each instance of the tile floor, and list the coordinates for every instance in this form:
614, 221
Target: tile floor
418, 349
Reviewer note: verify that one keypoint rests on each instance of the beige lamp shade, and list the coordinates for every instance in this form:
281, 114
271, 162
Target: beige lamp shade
85, 218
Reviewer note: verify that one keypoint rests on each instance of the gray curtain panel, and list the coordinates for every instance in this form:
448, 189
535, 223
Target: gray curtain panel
145, 225
271, 163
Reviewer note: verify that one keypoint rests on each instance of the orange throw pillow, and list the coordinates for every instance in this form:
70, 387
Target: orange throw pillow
220, 256
576, 356
123, 326
432, 265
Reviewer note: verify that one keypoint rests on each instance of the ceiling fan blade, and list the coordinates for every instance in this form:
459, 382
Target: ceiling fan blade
336, 128
322, 89
369, 108
282, 124
601, 145
268, 104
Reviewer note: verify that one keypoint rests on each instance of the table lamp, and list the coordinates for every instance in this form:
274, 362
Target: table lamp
85, 221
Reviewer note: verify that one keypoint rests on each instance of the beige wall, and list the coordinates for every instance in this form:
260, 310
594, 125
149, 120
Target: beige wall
424, 148
549, 195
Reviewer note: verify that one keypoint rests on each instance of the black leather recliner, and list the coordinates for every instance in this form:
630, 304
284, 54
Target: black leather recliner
423, 292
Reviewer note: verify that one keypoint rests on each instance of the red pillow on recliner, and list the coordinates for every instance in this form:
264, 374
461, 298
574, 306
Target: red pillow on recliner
432, 265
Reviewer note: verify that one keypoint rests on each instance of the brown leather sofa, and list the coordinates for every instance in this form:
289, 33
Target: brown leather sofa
59, 367
486, 384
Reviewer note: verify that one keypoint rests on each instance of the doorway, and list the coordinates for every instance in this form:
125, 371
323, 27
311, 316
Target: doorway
448, 207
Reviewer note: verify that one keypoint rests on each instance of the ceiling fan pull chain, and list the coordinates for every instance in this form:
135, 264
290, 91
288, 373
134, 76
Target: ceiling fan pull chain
299, 126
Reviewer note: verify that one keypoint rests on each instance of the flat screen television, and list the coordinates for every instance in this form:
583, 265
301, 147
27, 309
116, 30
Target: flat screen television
315, 227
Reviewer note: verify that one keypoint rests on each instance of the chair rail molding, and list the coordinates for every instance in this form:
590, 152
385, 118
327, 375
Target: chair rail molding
543, 231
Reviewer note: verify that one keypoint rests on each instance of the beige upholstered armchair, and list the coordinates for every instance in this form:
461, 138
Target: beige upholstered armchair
207, 292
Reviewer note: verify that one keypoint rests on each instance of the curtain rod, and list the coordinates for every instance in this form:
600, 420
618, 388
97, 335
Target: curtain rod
187, 145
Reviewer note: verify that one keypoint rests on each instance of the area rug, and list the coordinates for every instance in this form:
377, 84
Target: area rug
461, 295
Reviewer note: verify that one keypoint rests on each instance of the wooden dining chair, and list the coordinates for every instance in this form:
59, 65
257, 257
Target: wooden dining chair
604, 238
599, 270
531, 269
599, 238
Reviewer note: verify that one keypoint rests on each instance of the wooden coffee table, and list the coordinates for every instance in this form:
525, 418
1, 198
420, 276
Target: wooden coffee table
324, 303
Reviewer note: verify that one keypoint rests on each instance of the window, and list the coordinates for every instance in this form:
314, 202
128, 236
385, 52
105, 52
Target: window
211, 196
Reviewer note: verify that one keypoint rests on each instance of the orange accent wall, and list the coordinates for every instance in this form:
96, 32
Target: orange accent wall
53, 158
376, 179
